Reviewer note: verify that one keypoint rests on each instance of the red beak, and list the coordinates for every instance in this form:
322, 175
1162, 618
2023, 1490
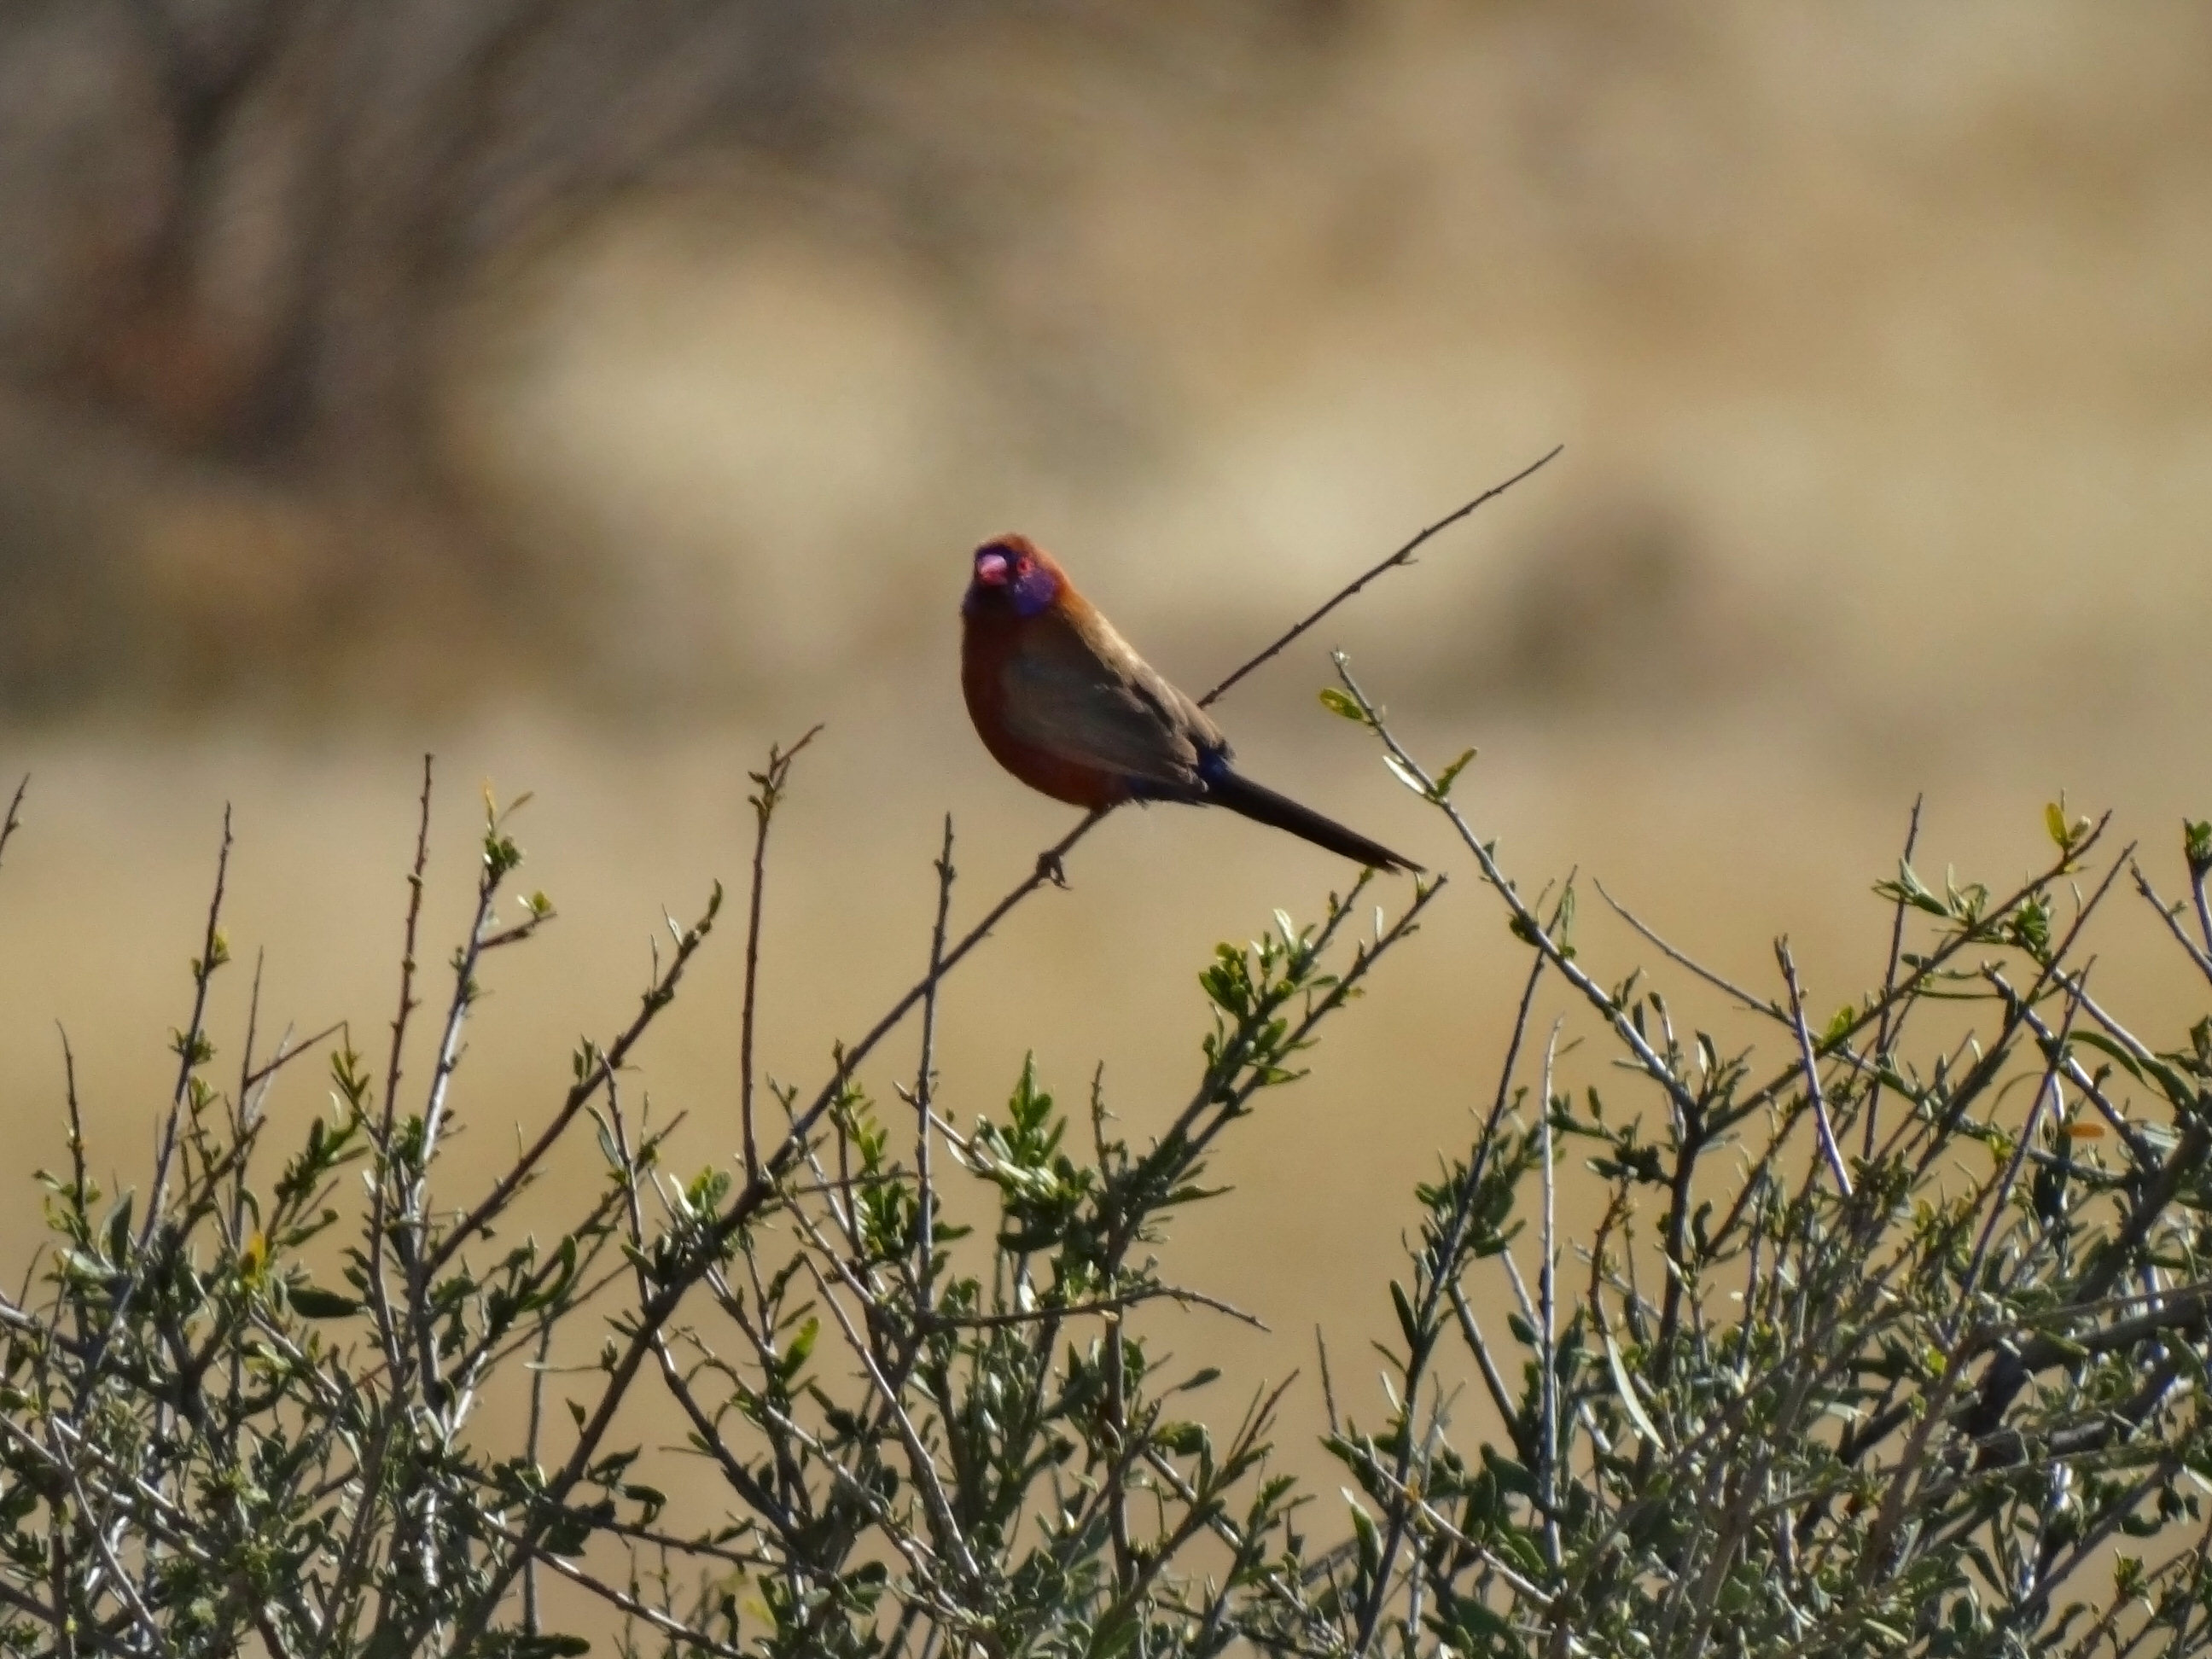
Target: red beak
991, 569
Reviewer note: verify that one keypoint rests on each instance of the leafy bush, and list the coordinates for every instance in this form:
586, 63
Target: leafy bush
1892, 1342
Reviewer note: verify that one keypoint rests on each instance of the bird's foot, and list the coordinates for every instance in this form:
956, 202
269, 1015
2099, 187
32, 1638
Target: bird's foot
1050, 869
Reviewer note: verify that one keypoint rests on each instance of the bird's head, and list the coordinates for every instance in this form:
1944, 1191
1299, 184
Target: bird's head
1013, 576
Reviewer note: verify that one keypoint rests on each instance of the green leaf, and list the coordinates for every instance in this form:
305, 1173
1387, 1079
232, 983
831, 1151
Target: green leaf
1445, 778
1909, 889
1363, 1527
1338, 702
802, 1345
310, 1302
1510, 1473
2197, 844
1624, 1390
1482, 1629
1408, 1321
1840, 1026
2104, 1044
1184, 1439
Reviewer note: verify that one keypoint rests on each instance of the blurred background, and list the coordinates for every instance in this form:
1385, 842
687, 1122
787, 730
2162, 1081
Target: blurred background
591, 390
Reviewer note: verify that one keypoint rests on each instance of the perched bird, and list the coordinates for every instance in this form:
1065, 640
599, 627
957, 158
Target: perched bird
1063, 703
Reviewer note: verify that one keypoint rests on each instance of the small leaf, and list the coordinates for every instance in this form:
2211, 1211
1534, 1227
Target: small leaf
1363, 1527
312, 1303
1408, 1321
1406, 776
1445, 778
802, 1345
1184, 1439
1338, 702
1509, 1473
2105, 1045
1624, 1389
2197, 844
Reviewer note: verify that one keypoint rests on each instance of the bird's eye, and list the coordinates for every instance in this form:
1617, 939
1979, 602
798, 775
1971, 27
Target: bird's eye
1022, 566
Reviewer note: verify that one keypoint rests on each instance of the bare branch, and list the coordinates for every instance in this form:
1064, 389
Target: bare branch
1403, 556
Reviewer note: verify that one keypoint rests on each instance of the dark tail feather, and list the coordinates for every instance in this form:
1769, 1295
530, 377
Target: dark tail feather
1242, 795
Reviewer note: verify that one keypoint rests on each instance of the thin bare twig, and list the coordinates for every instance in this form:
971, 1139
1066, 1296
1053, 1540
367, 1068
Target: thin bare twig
924, 1086
2046, 1088
76, 1123
1397, 558
380, 1197
678, 1632
288, 1051
657, 996
14, 819
213, 953
2170, 915
191, 1052
1681, 958
1531, 928
1883, 1032
1328, 1383
1096, 1305
922, 1467
771, 782
1548, 1491
1829, 1150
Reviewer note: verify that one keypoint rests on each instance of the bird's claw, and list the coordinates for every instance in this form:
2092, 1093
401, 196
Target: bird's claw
1050, 869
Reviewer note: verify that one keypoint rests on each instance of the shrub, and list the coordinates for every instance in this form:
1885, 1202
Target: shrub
1890, 1342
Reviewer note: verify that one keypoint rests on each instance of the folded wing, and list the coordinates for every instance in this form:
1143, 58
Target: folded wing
1075, 689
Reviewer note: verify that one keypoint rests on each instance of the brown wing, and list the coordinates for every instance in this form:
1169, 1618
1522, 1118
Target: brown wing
1095, 701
